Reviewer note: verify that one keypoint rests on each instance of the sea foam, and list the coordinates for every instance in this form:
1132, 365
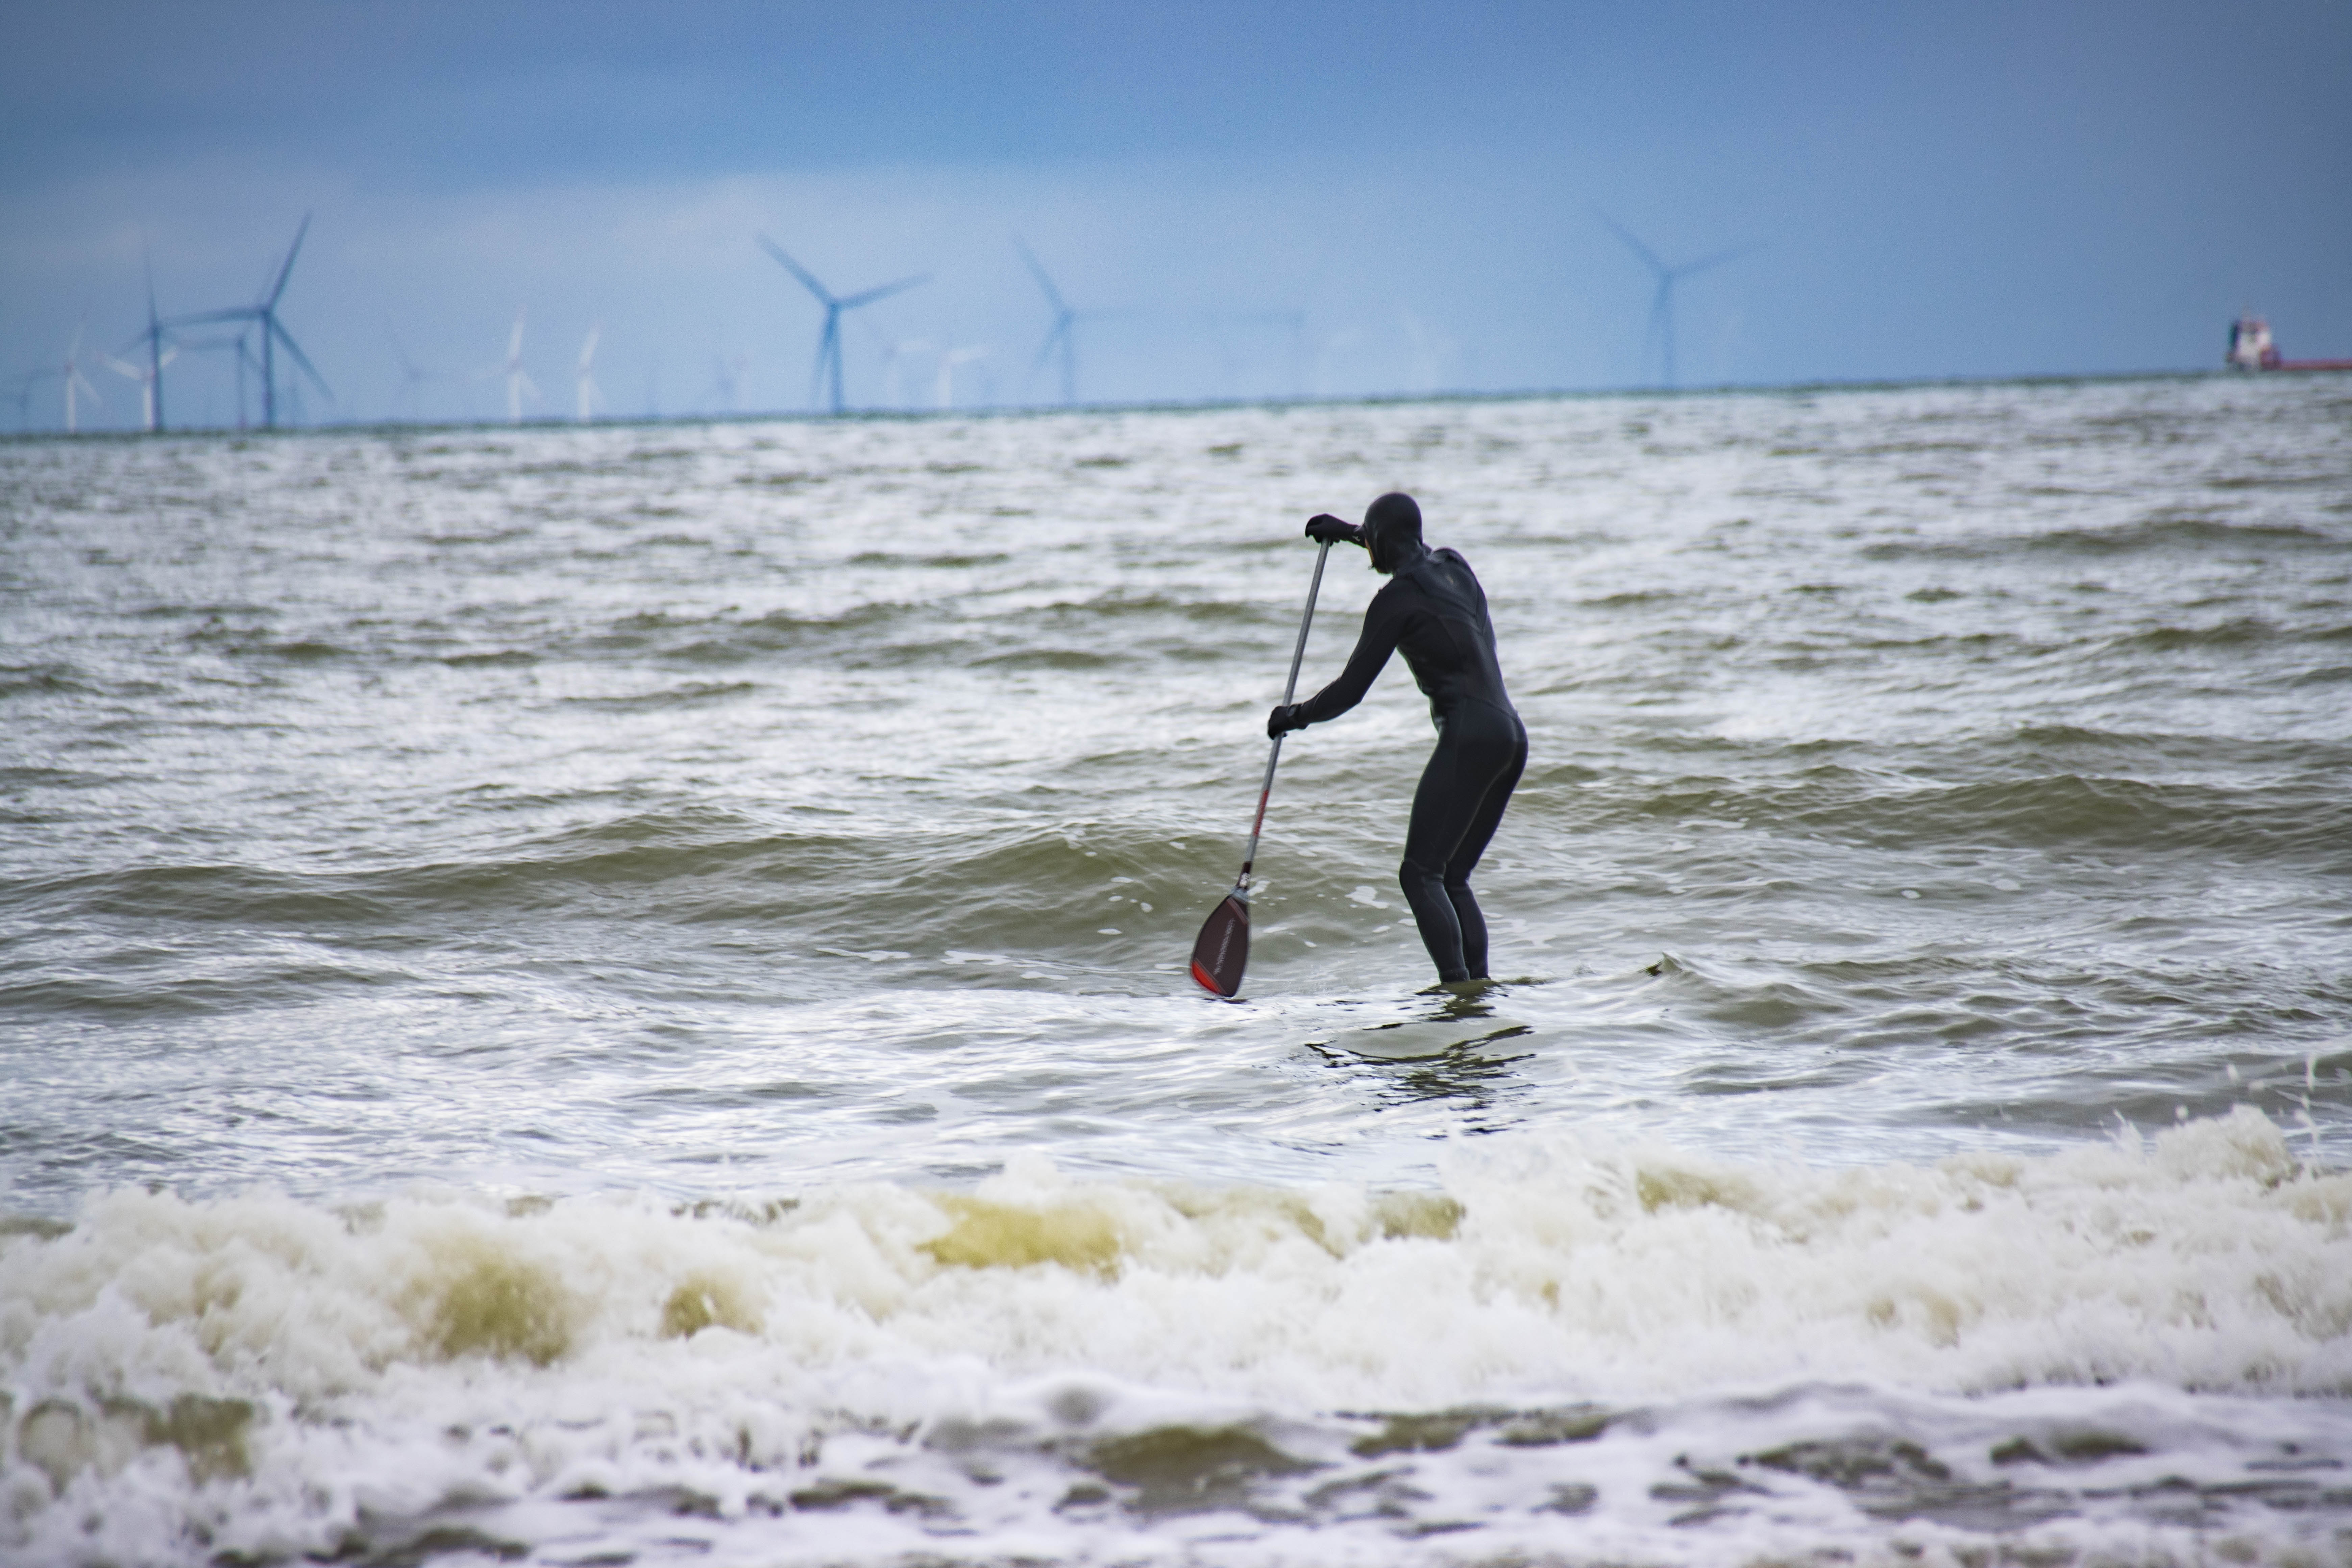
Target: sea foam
884, 1364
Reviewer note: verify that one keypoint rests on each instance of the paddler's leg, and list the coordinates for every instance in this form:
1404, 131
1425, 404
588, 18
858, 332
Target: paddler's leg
1466, 912
1472, 755
1429, 840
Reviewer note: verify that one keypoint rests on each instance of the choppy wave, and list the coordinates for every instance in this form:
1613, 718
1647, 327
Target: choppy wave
1061, 1367
767, 842
2149, 535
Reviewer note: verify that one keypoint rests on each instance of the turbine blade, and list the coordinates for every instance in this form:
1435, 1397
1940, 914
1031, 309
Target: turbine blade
1046, 350
204, 318
286, 340
808, 281
1660, 333
1734, 254
884, 292
286, 272
1648, 257
1038, 270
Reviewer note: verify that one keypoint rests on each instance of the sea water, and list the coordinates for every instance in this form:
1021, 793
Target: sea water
616, 994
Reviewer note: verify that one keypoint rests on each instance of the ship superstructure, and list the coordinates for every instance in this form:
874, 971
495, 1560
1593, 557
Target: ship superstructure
2251, 347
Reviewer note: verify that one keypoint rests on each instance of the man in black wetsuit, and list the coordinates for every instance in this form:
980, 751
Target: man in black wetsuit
1434, 610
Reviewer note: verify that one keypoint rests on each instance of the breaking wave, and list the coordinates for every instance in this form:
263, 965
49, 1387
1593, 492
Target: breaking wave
1059, 1366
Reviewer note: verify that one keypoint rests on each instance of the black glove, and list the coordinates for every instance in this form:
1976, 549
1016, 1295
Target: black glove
1325, 529
1282, 720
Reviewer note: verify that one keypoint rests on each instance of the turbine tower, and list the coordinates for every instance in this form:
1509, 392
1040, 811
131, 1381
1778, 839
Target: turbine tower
1062, 338
585, 379
234, 344
414, 378
828, 344
263, 314
1662, 305
149, 376
895, 354
519, 382
1430, 350
1063, 335
75, 383
1294, 322
948, 361
68, 374
158, 356
1326, 346
726, 384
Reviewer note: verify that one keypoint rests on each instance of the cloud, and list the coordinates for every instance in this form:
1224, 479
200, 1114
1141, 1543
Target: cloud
1273, 198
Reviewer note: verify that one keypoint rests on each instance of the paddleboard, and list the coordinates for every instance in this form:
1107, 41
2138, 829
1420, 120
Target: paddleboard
1418, 1040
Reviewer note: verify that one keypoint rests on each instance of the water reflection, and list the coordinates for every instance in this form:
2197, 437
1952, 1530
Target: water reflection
1451, 1050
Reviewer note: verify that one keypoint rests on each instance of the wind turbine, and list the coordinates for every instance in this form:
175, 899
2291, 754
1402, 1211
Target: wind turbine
150, 402
158, 356
948, 363
1063, 335
242, 353
584, 379
1062, 338
232, 344
895, 353
1662, 305
70, 373
263, 314
412, 379
1326, 346
726, 382
1295, 322
1431, 349
519, 382
828, 344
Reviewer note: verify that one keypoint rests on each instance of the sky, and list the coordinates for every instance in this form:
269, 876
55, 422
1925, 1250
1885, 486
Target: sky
1274, 198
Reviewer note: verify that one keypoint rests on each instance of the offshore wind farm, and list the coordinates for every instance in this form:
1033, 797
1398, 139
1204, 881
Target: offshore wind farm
260, 352
242, 366
897, 374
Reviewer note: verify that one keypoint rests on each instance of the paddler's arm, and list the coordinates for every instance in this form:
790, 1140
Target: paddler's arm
1383, 624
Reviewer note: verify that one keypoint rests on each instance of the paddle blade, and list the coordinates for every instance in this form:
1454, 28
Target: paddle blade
1222, 952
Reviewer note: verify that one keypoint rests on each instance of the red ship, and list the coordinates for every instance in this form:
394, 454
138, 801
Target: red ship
2253, 348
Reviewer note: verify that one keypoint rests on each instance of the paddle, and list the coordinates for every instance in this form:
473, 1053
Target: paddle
1221, 951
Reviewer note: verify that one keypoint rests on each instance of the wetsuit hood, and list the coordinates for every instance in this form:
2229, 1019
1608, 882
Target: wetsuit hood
1392, 530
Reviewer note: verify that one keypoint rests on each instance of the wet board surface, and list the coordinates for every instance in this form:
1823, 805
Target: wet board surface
1409, 1039
1431, 1024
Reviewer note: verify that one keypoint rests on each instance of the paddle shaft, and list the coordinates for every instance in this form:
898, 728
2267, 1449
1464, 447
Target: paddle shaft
1289, 690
